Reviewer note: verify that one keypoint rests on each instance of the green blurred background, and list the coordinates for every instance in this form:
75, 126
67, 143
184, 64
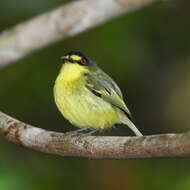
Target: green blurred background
147, 53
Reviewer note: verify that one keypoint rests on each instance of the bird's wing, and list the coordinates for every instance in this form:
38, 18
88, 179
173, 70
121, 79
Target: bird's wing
100, 84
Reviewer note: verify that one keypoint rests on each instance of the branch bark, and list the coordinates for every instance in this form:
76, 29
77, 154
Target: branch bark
63, 22
94, 147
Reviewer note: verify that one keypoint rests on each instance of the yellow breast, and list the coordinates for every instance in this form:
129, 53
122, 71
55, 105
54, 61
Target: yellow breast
71, 72
78, 104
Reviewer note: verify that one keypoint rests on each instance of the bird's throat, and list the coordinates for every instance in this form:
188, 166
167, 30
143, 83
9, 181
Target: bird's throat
71, 72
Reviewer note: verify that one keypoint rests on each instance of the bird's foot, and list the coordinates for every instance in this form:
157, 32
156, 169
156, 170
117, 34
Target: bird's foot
88, 133
80, 132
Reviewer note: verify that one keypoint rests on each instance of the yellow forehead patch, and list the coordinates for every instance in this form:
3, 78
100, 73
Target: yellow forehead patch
75, 57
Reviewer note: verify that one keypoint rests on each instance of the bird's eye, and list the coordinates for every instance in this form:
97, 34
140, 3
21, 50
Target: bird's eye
76, 59
82, 62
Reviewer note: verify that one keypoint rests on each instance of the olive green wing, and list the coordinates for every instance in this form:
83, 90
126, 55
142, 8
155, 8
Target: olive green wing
102, 85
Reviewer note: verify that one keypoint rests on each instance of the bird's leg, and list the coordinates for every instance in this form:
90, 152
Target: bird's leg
79, 132
89, 133
76, 132
114, 126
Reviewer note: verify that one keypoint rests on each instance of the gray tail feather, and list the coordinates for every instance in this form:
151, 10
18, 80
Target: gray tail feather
131, 125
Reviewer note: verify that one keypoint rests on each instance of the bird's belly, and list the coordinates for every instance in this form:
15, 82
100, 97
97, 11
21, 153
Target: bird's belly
84, 109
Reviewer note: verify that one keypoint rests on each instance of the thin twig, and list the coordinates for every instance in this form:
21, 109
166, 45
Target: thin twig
94, 147
63, 22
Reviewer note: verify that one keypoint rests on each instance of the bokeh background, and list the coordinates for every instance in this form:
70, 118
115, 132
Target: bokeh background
147, 52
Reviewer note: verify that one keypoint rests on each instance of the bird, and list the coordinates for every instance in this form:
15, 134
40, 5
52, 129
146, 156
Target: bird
88, 97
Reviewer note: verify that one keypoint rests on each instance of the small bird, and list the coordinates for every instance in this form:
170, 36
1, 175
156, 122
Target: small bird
88, 97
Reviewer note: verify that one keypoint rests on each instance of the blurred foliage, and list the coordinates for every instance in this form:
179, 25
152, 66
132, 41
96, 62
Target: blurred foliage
147, 53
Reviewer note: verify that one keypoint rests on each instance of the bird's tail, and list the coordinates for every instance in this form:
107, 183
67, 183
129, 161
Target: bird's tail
131, 125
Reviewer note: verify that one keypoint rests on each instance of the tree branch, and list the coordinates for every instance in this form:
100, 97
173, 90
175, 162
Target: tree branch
102, 147
63, 22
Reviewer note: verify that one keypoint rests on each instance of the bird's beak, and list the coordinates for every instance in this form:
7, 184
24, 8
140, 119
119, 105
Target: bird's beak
65, 59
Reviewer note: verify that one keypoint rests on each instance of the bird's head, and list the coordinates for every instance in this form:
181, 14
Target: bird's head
75, 65
76, 57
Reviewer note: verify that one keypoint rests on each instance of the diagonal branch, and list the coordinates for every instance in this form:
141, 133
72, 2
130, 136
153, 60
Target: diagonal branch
63, 22
166, 145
